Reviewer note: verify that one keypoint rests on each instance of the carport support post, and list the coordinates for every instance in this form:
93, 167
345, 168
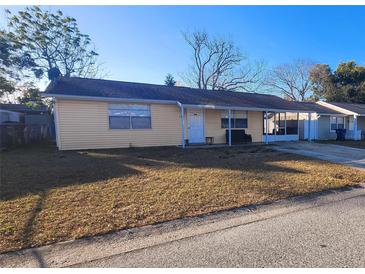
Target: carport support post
229, 128
267, 127
309, 126
298, 124
355, 127
285, 123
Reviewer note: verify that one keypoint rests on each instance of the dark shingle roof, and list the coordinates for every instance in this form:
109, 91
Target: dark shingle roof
127, 90
357, 108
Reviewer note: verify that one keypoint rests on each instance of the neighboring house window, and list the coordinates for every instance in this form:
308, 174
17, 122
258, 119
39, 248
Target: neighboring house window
337, 123
238, 119
124, 116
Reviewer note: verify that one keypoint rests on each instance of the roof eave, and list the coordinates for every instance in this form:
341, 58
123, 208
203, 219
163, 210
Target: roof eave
106, 99
115, 99
337, 108
246, 108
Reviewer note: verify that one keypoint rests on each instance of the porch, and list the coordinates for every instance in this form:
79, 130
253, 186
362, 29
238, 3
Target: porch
215, 125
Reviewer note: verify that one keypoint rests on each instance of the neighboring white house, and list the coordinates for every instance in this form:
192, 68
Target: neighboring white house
330, 116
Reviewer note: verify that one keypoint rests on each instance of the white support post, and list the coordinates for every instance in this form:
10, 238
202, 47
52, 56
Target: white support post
275, 124
309, 126
182, 126
285, 123
267, 127
355, 127
229, 128
298, 125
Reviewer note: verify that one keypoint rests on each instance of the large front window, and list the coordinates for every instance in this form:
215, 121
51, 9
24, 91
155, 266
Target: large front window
126, 116
238, 119
337, 123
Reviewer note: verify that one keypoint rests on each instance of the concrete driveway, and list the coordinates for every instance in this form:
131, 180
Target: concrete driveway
354, 157
311, 231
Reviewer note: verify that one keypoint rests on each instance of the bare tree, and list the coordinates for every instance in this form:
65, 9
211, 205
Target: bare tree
291, 80
219, 65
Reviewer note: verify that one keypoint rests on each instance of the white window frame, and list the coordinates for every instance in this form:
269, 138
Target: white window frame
344, 123
124, 107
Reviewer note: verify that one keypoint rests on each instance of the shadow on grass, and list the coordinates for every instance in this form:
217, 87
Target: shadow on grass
36, 169
28, 229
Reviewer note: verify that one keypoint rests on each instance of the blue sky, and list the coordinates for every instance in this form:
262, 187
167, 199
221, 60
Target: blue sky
144, 43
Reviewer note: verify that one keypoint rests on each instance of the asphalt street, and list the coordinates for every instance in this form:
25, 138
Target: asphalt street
330, 235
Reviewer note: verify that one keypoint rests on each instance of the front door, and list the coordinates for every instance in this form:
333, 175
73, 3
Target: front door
195, 126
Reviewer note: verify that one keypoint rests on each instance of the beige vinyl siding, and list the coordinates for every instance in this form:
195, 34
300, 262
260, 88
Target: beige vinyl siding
85, 125
213, 126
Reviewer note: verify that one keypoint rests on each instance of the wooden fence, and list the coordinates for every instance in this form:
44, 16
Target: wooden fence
21, 134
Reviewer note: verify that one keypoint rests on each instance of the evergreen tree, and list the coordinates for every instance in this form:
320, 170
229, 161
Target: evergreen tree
169, 80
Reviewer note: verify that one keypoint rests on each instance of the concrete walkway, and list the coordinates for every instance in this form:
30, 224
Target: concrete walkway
354, 157
323, 230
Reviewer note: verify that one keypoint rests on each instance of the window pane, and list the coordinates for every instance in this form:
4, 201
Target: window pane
125, 116
224, 123
141, 122
333, 123
140, 113
240, 123
340, 120
282, 120
129, 110
291, 123
119, 112
333, 126
340, 126
119, 122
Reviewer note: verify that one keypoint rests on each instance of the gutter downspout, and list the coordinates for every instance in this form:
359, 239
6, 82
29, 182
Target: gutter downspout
182, 124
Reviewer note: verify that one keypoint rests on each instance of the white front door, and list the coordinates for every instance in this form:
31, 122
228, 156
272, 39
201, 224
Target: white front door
195, 126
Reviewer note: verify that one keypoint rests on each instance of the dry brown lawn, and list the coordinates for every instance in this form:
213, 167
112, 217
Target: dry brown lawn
49, 196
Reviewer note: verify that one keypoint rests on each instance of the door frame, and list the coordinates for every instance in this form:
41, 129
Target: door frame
188, 111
